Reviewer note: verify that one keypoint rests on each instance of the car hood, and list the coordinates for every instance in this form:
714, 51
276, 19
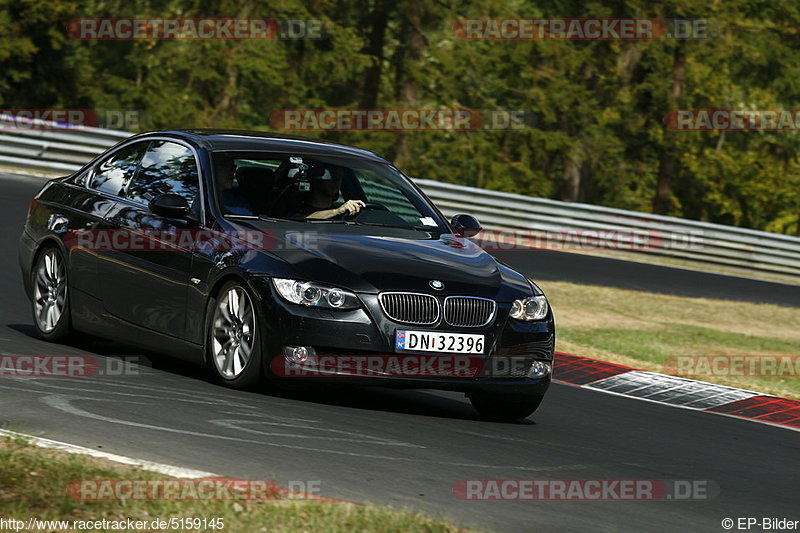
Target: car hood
394, 260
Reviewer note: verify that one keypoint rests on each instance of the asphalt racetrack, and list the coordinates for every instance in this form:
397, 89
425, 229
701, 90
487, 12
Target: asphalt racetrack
409, 448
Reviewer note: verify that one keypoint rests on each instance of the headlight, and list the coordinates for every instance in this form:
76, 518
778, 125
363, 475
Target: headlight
313, 295
532, 308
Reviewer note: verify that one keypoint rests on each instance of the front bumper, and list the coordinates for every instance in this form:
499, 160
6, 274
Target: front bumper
366, 332
511, 388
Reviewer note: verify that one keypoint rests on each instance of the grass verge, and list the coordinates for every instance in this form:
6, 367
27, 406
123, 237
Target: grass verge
643, 330
34, 481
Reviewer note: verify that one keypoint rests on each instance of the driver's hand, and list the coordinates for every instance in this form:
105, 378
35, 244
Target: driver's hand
351, 207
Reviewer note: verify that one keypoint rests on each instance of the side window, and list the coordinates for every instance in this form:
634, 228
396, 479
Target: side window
166, 167
113, 174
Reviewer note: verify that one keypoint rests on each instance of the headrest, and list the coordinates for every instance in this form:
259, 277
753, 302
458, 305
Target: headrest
255, 177
316, 172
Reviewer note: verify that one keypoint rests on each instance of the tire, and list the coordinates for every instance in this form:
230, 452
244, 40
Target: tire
233, 339
50, 295
505, 409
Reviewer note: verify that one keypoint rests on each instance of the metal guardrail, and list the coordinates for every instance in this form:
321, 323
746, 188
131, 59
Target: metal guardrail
514, 219
42, 145
559, 222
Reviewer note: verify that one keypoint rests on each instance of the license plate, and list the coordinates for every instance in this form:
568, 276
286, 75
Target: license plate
436, 341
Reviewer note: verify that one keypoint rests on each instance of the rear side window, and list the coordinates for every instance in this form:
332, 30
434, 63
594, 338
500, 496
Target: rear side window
113, 174
166, 167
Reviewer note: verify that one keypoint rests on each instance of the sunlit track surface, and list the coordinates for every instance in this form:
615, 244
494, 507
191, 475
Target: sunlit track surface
395, 447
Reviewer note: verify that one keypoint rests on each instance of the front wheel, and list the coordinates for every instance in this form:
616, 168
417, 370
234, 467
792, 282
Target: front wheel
233, 344
505, 409
50, 299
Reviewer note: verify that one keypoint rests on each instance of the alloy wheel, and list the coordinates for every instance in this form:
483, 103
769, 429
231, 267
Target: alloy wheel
50, 291
233, 332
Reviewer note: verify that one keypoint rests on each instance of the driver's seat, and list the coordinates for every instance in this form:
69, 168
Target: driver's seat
255, 184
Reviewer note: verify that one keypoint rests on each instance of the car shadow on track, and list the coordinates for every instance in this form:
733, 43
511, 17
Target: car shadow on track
414, 402
378, 399
91, 345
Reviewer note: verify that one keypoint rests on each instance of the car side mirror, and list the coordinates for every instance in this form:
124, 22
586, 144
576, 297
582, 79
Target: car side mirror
466, 225
170, 205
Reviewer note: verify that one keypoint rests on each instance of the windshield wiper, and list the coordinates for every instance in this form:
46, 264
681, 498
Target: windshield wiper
306, 220
378, 224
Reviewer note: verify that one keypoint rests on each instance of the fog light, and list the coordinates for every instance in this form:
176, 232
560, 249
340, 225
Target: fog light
539, 369
298, 354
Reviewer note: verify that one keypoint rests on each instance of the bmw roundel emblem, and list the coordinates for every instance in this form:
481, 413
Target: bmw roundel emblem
436, 284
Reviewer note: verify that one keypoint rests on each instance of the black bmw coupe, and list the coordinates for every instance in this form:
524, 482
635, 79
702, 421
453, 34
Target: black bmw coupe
283, 259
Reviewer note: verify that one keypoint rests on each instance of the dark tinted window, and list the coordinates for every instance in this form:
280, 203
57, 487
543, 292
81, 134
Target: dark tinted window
290, 186
113, 174
244, 186
166, 167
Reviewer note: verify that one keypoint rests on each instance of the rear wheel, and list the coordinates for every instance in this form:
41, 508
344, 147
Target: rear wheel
504, 408
50, 302
233, 344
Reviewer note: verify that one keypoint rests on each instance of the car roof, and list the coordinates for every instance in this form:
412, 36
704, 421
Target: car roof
258, 141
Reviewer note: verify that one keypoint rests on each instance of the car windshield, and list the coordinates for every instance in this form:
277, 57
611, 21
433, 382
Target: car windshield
319, 189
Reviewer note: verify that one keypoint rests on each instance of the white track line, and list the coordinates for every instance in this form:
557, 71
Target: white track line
667, 381
161, 468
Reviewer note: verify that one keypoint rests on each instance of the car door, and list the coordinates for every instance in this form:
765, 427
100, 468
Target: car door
145, 275
92, 194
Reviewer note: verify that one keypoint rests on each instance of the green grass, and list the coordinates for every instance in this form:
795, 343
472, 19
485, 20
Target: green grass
34, 481
644, 330
670, 339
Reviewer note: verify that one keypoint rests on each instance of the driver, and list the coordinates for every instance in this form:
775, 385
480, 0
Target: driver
324, 192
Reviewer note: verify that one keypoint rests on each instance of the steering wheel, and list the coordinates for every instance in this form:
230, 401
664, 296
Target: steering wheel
375, 206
